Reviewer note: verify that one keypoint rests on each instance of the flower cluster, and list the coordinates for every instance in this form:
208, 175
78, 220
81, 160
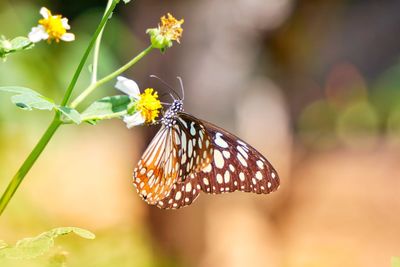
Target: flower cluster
51, 27
170, 30
146, 106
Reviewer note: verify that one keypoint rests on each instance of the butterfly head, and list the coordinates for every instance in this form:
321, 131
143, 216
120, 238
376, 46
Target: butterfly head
169, 118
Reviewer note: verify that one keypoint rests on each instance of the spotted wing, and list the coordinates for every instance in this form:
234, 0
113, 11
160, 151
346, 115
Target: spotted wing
156, 172
182, 194
234, 165
173, 154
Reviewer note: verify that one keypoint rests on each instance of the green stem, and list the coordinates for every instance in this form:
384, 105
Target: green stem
109, 77
27, 165
96, 49
44, 140
104, 117
78, 71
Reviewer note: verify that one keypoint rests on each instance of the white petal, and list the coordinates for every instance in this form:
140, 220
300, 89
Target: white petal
68, 37
37, 34
65, 24
134, 120
44, 12
128, 86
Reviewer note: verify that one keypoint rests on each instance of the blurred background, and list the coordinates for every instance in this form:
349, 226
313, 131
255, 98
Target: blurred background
314, 85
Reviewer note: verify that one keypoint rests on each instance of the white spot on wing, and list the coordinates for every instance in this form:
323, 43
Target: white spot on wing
260, 164
227, 177
241, 151
219, 141
207, 168
188, 187
219, 178
218, 159
192, 129
190, 148
243, 144
231, 168
226, 154
242, 160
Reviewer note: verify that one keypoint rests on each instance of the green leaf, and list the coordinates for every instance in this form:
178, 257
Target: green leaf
70, 113
395, 262
106, 108
33, 247
21, 43
31, 101
17, 90
17, 44
28, 99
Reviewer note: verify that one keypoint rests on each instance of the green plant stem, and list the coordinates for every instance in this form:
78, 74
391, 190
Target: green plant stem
104, 117
109, 77
78, 71
44, 140
27, 165
96, 49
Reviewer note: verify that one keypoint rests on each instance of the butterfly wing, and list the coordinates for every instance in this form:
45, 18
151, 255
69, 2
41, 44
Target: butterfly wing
182, 194
173, 154
234, 165
156, 172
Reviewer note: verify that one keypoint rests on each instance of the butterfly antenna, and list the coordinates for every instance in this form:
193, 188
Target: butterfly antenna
183, 91
164, 103
166, 84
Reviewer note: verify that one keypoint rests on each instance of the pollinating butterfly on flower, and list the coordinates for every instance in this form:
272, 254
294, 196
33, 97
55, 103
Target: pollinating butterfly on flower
189, 155
51, 27
145, 107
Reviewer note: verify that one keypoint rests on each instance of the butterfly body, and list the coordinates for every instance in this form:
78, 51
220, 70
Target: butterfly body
189, 155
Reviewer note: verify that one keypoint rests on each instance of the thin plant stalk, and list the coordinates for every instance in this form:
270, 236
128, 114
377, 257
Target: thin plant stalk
96, 50
109, 77
78, 71
27, 165
54, 125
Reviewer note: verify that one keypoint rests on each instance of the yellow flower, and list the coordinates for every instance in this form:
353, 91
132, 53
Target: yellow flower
146, 105
170, 30
171, 27
149, 105
51, 27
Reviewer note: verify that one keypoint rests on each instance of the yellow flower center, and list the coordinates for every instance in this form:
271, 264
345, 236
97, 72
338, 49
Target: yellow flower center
171, 27
53, 26
149, 105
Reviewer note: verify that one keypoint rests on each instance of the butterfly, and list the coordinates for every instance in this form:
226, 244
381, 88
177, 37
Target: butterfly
189, 155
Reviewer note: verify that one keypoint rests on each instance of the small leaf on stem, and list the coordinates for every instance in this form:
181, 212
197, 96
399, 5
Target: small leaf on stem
33, 247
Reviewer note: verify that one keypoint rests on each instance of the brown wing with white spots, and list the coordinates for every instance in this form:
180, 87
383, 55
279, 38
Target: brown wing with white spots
173, 154
182, 194
195, 146
236, 166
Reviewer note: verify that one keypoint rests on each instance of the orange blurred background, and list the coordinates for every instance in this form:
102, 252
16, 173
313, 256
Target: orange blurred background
314, 85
